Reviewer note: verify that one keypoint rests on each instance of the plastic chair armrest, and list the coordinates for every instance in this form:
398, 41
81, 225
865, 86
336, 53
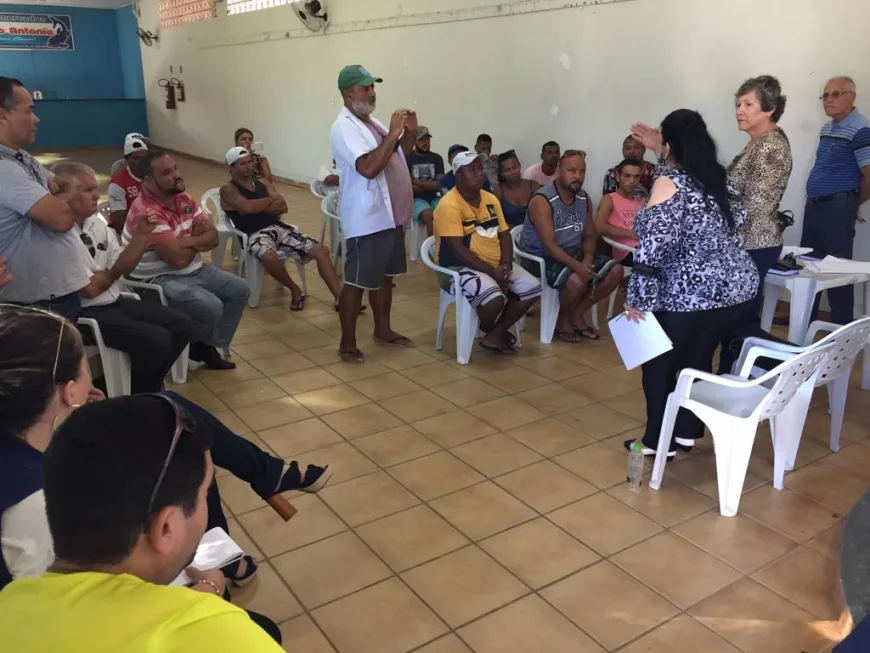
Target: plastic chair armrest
756, 352
819, 326
761, 343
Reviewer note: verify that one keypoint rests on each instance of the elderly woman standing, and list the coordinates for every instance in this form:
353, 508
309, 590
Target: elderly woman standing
759, 176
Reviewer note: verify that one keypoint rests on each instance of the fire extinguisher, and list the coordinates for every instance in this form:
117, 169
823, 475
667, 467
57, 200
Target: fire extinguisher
179, 89
169, 91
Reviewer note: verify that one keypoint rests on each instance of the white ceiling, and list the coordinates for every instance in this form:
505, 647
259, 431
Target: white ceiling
94, 4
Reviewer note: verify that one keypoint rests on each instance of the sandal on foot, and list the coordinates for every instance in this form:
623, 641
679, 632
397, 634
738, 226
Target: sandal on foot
297, 303
646, 450
313, 481
505, 351
352, 356
396, 341
568, 336
589, 333
245, 578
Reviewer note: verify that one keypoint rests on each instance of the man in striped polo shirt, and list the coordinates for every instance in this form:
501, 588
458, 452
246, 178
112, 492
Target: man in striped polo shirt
837, 186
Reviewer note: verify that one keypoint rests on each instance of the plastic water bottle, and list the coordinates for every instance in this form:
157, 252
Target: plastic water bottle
635, 466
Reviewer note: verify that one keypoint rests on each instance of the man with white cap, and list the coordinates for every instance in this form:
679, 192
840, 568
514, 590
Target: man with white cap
121, 163
254, 207
126, 183
376, 203
475, 240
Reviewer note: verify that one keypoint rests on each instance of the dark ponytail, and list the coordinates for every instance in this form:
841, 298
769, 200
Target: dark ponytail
694, 150
28, 350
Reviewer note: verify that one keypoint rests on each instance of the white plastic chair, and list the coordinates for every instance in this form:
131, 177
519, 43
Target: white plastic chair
113, 363
848, 341
331, 222
732, 408
550, 298
225, 230
179, 367
467, 321
104, 211
249, 265
416, 228
626, 271
315, 189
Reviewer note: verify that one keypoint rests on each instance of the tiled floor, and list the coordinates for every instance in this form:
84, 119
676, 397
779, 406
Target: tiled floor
484, 508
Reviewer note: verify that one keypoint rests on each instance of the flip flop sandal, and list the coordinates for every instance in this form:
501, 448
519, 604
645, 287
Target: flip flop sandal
354, 357
399, 341
297, 304
571, 337
507, 351
584, 333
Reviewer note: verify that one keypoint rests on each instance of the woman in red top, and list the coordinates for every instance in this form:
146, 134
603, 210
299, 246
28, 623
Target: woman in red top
617, 210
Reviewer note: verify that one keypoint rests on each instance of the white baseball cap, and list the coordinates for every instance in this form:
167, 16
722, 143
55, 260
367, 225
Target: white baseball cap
235, 154
134, 142
465, 158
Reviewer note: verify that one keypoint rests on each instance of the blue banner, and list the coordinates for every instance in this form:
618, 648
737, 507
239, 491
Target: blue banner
36, 32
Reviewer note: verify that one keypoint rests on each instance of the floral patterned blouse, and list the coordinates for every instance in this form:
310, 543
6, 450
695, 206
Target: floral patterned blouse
759, 175
688, 259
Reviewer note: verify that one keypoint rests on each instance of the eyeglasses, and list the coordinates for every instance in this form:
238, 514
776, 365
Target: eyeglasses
89, 243
54, 316
183, 422
835, 95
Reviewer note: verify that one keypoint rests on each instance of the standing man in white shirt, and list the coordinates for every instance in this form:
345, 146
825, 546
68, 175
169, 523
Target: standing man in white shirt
377, 201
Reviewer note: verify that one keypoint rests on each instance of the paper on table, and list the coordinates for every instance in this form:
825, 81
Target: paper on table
639, 342
794, 249
834, 265
216, 550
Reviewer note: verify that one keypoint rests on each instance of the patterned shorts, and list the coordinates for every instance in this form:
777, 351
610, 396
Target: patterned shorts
480, 289
281, 238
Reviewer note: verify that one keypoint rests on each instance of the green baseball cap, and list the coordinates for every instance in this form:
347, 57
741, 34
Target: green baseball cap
356, 74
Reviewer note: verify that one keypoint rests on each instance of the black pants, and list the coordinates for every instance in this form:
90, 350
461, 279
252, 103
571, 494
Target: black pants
764, 260
68, 306
154, 336
695, 336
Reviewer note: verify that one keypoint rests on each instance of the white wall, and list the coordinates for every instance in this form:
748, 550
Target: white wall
580, 75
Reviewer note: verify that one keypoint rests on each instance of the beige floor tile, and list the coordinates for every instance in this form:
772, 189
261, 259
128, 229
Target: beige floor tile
197, 392
527, 625
215, 380
395, 446
545, 486
830, 542
362, 420
757, 620
251, 333
435, 475
433, 374
506, 413
417, 406
238, 495
273, 535
312, 340
792, 514
808, 579
298, 437
853, 458
598, 463
467, 392
599, 421
549, 437
538, 552
669, 505
681, 634
349, 373
249, 392
265, 348
553, 399
455, 427
276, 412
698, 471
322, 355
241, 537
632, 404
329, 569
268, 595
384, 386
283, 364
604, 524
829, 485
609, 604
482, 510
386, 618
367, 498
510, 381
411, 537
449, 644
676, 569
740, 541
232, 421
331, 400
555, 368
464, 585
295, 383
345, 462
597, 386
302, 634
495, 454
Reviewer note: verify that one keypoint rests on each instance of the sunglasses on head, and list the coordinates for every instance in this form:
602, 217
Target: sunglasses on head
53, 316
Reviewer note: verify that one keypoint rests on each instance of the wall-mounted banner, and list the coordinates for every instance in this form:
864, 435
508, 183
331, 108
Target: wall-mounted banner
36, 32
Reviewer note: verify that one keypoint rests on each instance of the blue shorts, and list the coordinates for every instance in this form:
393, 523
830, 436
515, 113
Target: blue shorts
421, 205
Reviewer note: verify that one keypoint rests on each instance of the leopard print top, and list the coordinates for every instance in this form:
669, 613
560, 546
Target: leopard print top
759, 175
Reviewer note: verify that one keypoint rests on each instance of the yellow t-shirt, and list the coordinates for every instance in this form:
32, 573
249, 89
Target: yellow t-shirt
90, 612
478, 226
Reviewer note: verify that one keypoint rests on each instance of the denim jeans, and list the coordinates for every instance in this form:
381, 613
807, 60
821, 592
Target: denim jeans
212, 298
829, 228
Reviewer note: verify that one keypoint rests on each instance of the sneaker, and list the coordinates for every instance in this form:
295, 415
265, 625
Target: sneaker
313, 481
646, 450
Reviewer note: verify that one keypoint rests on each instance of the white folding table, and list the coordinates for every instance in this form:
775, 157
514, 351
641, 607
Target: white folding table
803, 288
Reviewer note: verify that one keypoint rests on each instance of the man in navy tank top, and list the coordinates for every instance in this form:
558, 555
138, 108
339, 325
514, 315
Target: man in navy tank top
255, 207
